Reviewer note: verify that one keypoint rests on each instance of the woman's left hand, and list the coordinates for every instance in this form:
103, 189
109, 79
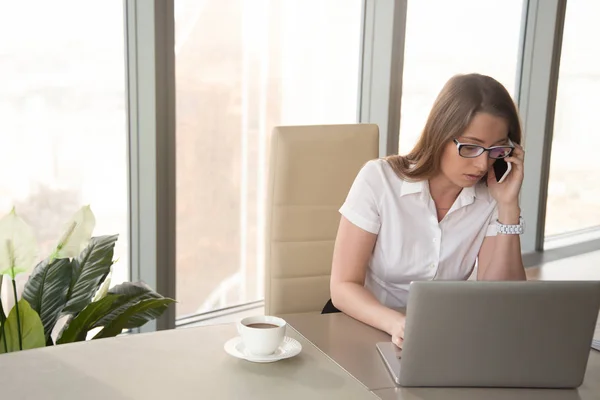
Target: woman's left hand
507, 192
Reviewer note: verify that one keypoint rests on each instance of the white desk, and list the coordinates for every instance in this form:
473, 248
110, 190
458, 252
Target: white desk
352, 345
176, 364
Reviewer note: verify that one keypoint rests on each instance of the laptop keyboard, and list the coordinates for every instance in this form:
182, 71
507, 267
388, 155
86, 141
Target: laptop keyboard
596, 344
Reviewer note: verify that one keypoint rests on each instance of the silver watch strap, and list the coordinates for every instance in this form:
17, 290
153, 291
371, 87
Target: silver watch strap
511, 229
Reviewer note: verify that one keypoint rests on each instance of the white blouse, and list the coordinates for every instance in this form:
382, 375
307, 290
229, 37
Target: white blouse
411, 245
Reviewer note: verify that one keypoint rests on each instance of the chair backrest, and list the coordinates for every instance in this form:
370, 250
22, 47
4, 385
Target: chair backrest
311, 170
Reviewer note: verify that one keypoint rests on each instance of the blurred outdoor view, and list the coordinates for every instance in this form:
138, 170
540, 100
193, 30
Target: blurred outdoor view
242, 67
574, 186
63, 117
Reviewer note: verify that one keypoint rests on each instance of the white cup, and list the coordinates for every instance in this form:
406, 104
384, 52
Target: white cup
262, 335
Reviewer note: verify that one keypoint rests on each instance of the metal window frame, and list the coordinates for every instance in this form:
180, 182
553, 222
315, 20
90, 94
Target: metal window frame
382, 61
536, 97
150, 55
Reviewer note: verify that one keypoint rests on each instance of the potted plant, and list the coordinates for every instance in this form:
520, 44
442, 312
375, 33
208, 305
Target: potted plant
70, 285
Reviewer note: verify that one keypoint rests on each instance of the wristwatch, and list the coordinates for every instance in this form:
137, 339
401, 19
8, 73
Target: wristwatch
511, 229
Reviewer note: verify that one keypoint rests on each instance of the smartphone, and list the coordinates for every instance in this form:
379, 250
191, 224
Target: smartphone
501, 169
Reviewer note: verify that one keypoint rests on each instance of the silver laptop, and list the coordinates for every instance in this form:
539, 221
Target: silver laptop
534, 334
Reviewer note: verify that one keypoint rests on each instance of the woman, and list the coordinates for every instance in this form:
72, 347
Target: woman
432, 213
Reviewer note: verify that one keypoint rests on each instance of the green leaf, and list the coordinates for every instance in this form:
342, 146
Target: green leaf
79, 326
119, 323
132, 293
46, 290
90, 268
31, 328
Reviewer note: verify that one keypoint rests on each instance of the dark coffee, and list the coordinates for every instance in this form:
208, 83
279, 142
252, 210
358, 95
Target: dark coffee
260, 325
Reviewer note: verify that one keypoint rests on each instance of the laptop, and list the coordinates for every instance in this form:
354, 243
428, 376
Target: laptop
523, 334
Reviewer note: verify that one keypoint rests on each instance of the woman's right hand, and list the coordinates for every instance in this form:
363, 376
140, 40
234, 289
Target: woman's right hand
397, 330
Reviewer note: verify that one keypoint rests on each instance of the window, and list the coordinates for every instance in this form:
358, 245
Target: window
63, 117
573, 191
243, 67
444, 38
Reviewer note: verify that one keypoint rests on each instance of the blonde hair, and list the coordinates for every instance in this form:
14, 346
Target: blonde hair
460, 99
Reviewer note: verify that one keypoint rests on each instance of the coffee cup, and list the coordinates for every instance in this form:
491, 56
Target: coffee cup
262, 335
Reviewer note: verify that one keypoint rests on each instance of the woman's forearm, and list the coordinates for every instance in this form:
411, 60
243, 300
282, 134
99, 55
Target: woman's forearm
356, 301
506, 262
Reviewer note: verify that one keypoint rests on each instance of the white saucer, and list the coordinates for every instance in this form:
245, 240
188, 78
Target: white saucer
288, 348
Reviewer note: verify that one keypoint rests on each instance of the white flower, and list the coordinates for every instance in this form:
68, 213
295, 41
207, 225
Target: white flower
78, 232
7, 294
18, 247
101, 293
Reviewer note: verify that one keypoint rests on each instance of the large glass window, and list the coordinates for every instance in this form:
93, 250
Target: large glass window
63, 117
242, 67
574, 187
444, 38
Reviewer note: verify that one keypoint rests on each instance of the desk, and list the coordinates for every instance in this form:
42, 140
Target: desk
338, 361
191, 364
352, 345
583, 267
175, 364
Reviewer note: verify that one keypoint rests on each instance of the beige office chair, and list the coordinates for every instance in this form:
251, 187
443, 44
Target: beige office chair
310, 172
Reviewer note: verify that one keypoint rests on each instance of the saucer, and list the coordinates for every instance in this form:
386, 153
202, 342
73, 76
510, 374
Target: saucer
288, 348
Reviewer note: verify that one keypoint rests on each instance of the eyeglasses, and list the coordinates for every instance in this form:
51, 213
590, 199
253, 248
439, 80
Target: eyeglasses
473, 150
